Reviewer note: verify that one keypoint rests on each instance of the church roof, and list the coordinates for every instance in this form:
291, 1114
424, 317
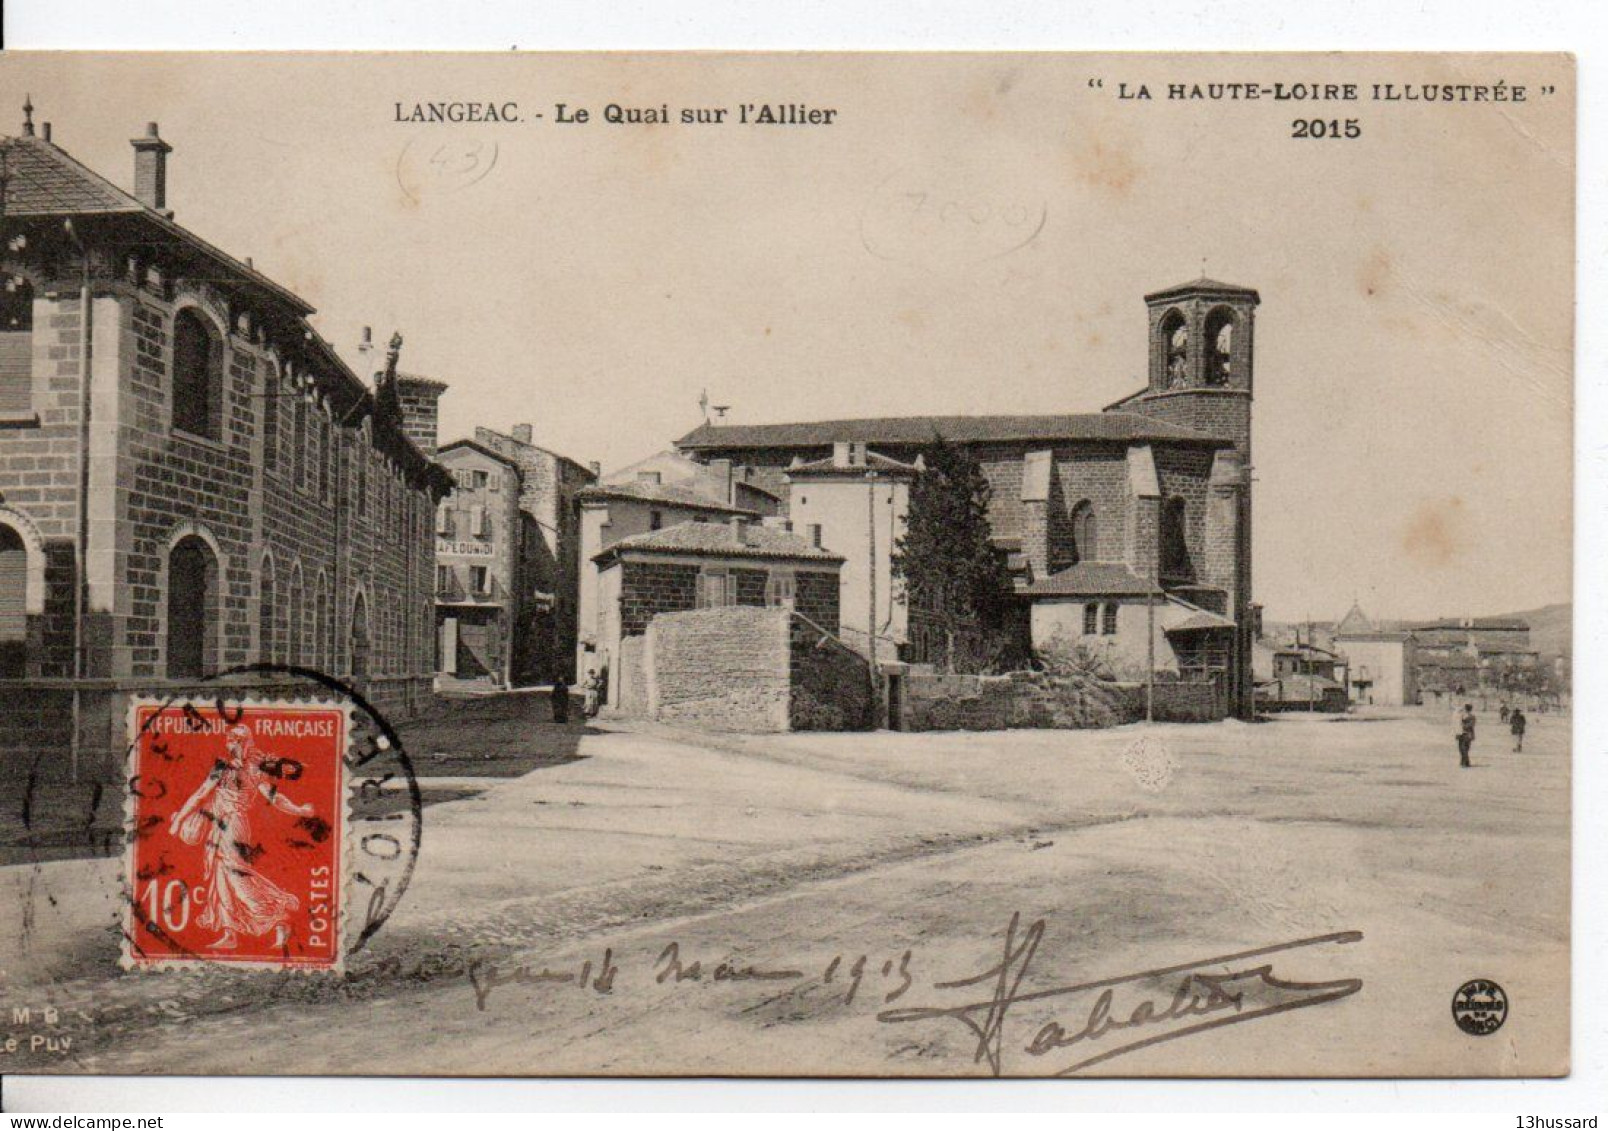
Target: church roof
1109, 427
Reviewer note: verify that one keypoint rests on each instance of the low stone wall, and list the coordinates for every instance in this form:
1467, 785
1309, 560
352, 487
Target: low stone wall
830, 683
722, 669
1040, 700
36, 719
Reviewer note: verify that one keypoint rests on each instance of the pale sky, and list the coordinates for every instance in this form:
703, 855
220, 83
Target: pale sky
1413, 348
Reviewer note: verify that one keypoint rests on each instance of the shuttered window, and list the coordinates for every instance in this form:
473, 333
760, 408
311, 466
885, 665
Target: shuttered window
16, 348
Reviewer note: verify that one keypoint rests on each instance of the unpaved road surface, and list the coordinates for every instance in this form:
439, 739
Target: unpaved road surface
662, 902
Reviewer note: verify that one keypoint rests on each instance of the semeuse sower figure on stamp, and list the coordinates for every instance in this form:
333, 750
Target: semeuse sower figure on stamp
1465, 733
237, 897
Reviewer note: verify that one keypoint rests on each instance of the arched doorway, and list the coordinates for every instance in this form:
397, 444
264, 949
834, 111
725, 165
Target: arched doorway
191, 614
360, 640
13, 605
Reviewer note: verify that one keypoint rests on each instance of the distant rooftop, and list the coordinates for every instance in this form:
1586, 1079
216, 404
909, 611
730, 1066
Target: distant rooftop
873, 461
1092, 579
712, 539
670, 494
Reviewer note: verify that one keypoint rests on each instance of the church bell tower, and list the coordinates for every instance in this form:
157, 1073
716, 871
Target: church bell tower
1201, 376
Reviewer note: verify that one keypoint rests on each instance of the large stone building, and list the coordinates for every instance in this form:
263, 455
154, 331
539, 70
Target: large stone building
1464, 655
704, 565
191, 479
856, 502
1128, 530
483, 542
550, 564
639, 500
1383, 661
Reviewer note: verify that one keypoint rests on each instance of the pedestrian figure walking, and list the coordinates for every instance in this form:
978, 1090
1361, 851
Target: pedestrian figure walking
561, 703
1503, 714
1517, 725
593, 692
1465, 733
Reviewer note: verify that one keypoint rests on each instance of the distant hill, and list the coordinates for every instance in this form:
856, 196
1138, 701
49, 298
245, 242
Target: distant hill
1551, 628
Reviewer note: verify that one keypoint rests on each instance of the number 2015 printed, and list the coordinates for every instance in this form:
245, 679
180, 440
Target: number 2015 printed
1325, 128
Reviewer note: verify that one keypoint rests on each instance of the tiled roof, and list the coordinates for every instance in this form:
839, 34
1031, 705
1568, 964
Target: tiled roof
711, 539
1091, 579
46, 180
1113, 427
474, 445
1200, 621
670, 494
874, 461
1205, 286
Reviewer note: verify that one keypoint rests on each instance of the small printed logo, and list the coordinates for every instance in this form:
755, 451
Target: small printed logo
1479, 1007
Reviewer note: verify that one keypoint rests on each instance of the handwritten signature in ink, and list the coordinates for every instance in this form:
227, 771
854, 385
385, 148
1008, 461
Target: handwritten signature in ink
1136, 1011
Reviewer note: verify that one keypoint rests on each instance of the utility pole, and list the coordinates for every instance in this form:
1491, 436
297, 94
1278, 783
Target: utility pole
1150, 652
871, 575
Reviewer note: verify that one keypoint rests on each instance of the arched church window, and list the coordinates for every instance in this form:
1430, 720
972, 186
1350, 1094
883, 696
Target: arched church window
1219, 347
1175, 339
1174, 539
1085, 534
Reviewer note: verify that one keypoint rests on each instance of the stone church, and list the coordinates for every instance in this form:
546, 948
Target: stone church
1128, 531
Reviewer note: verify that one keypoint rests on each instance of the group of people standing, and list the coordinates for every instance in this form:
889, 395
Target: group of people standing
592, 692
1512, 718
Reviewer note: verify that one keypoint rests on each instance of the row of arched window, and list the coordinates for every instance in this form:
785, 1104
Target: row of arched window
1220, 328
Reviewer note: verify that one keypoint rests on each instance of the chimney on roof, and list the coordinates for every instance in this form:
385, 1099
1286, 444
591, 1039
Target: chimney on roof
47, 131
150, 168
725, 487
596, 469
522, 433
740, 532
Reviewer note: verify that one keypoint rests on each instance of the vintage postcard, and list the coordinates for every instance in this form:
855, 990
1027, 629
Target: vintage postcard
879, 565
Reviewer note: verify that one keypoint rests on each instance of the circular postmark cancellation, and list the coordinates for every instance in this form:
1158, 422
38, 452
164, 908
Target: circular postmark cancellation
273, 830
1479, 1007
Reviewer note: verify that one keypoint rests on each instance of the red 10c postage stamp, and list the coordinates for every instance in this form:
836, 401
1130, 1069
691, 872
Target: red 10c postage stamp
236, 817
